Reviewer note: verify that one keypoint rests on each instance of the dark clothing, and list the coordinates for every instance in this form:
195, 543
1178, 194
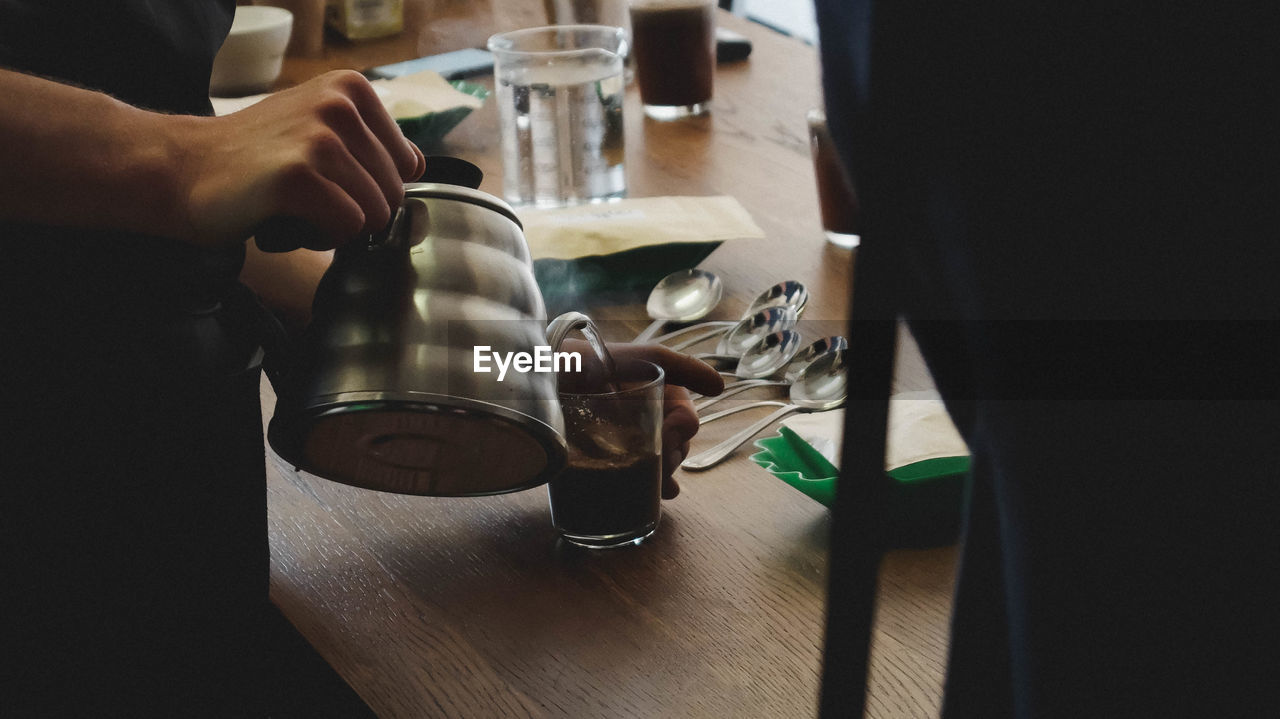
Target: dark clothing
1075, 210
151, 54
154, 54
133, 540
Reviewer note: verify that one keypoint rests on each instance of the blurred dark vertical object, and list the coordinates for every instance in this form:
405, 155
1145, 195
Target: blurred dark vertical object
856, 543
1079, 205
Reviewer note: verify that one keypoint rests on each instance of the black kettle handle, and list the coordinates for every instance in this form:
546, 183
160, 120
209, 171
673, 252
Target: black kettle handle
449, 170
285, 234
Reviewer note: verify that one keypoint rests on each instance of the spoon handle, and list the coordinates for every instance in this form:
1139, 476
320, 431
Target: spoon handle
705, 336
740, 408
685, 330
738, 387
648, 332
713, 456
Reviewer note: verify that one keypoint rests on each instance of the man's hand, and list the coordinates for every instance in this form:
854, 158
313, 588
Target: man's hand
680, 420
325, 152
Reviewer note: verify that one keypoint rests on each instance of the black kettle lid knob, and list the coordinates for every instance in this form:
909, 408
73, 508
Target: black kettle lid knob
447, 170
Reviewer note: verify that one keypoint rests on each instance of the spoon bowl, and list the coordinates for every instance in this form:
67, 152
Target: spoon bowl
788, 293
813, 351
682, 296
770, 354
823, 384
739, 338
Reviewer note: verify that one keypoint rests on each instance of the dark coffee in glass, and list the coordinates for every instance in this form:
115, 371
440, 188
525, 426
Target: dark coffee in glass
837, 201
673, 43
610, 494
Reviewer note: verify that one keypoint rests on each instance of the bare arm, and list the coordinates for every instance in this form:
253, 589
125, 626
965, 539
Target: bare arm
76, 157
325, 151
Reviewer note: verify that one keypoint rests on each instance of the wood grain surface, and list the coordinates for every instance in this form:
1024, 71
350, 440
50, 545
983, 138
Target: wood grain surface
471, 608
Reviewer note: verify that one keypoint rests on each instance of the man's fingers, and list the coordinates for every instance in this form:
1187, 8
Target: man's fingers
367, 152
422, 164
680, 369
672, 456
680, 419
405, 155
362, 150
679, 424
335, 161
325, 205
670, 488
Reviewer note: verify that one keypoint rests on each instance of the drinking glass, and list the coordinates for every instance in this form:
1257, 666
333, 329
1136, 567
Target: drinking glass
836, 197
595, 12
610, 493
675, 54
559, 91
587, 12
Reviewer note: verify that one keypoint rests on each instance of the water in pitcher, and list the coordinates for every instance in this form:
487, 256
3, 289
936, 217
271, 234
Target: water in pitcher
562, 132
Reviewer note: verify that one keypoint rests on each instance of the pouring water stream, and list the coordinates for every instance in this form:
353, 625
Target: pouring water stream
560, 327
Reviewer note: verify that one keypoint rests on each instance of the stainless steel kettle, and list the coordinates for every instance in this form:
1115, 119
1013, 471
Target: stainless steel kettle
384, 391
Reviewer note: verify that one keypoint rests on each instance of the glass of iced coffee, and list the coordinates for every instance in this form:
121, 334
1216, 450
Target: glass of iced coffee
837, 200
673, 43
610, 494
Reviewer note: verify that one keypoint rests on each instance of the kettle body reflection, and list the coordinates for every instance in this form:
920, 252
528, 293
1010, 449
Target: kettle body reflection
383, 390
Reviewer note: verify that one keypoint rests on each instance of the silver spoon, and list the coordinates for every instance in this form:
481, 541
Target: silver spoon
720, 325
789, 293
797, 363
682, 296
812, 352
746, 332
803, 359
784, 294
768, 355
739, 408
820, 387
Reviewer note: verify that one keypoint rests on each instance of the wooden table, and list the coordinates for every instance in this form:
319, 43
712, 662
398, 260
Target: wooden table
470, 608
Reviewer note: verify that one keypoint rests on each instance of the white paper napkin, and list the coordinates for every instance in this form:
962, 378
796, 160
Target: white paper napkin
404, 97
919, 429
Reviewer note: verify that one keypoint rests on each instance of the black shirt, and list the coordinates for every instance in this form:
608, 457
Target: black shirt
149, 53
154, 54
133, 523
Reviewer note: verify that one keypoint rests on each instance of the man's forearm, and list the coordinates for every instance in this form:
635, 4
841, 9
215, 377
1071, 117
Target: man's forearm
325, 152
79, 158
